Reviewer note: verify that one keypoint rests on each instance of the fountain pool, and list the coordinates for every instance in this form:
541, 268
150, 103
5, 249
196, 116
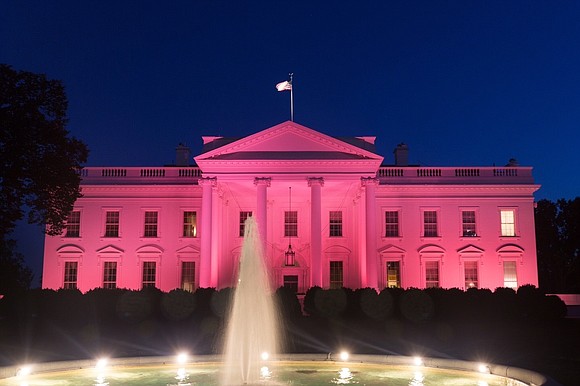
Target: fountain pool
309, 369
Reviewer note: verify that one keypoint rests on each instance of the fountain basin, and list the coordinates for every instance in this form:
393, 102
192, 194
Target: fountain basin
295, 369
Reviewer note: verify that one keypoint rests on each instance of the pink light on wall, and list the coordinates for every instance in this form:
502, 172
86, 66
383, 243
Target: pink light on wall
482, 233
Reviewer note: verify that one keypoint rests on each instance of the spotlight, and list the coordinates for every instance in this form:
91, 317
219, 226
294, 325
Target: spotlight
483, 368
418, 361
265, 356
182, 358
344, 355
101, 363
24, 371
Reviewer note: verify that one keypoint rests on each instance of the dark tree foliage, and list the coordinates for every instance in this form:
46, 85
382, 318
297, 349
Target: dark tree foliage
288, 304
14, 274
558, 245
39, 161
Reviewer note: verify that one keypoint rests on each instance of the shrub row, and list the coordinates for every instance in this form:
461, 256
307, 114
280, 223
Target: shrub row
415, 305
71, 308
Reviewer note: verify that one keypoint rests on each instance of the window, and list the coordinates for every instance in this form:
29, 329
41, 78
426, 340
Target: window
243, 217
149, 273
110, 274
336, 275
291, 282
291, 223
431, 274
468, 223
188, 276
335, 223
392, 223
508, 222
112, 224
150, 224
189, 224
393, 274
70, 274
73, 224
471, 276
430, 223
510, 277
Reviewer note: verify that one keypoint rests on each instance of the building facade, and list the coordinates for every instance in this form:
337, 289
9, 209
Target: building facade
351, 221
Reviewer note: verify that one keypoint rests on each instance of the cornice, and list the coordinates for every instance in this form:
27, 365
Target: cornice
456, 190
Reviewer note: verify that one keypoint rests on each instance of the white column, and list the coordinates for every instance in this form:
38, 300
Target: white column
205, 230
262, 207
316, 230
370, 277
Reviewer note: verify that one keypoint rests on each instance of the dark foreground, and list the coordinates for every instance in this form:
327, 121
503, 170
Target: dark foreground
524, 330
552, 348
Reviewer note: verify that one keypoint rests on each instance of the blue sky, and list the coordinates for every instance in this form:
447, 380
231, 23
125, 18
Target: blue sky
461, 82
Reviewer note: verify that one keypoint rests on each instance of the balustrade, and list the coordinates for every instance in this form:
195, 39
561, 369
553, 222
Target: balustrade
429, 172
452, 175
152, 172
114, 173
507, 172
467, 172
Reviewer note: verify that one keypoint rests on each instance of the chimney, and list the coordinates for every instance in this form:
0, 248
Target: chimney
401, 155
513, 162
182, 155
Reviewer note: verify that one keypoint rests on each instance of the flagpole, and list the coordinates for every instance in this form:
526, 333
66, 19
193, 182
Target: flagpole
291, 98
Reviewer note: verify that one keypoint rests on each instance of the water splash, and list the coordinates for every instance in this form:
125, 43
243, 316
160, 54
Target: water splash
253, 324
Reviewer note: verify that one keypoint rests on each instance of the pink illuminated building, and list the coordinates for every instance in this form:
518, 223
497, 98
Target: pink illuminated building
352, 219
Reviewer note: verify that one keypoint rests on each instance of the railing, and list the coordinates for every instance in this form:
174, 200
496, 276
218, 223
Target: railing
455, 175
385, 174
139, 175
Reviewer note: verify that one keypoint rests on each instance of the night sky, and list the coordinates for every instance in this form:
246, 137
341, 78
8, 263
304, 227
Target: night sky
463, 83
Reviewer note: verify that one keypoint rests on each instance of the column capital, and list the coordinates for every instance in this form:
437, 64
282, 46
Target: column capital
364, 181
263, 181
211, 181
315, 181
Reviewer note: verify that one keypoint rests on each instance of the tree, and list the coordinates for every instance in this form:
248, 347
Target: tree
39, 161
558, 245
15, 276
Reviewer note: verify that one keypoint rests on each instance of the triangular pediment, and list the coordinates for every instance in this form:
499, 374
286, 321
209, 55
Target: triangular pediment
110, 250
431, 249
287, 144
188, 249
470, 250
391, 249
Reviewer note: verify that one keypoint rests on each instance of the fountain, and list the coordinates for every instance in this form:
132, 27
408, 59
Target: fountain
251, 354
253, 324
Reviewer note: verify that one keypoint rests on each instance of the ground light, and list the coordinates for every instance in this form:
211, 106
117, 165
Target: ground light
344, 355
483, 368
101, 363
182, 376
24, 371
182, 358
100, 366
418, 361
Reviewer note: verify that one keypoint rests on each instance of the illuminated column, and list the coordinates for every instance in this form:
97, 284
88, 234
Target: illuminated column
370, 276
316, 230
205, 229
262, 207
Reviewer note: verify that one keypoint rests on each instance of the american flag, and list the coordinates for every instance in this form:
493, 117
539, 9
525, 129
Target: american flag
283, 86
